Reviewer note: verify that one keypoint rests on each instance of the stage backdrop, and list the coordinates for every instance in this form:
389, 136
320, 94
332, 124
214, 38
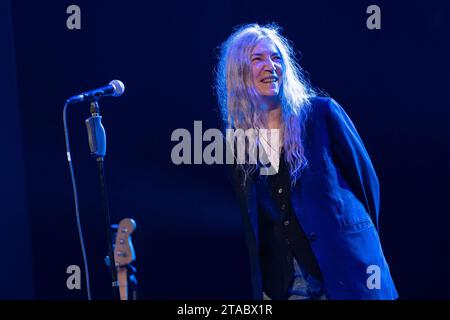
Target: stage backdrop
393, 82
16, 267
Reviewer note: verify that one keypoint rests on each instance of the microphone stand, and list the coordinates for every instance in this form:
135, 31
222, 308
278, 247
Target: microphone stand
97, 144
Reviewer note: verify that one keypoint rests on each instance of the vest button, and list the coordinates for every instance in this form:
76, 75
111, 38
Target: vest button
286, 223
280, 191
283, 207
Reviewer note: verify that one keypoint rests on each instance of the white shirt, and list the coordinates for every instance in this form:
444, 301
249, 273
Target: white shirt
273, 149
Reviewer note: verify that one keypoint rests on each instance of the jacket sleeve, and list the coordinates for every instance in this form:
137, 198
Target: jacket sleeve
245, 192
352, 159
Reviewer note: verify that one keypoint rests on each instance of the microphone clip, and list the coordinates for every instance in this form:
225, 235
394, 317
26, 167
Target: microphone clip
96, 132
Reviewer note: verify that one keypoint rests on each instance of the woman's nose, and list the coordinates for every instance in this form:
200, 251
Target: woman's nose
270, 65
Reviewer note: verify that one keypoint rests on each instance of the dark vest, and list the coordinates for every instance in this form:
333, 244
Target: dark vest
281, 237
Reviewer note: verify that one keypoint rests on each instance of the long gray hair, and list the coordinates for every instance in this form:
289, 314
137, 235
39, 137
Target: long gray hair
237, 96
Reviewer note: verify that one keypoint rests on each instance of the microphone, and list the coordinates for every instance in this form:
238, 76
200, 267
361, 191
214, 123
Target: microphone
115, 88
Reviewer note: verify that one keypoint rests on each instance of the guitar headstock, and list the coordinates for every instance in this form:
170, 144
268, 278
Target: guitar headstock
123, 249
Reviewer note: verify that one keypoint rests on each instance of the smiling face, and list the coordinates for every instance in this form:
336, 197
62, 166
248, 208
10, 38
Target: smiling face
267, 70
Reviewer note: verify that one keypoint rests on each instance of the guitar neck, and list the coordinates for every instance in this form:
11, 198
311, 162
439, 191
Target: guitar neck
122, 278
124, 254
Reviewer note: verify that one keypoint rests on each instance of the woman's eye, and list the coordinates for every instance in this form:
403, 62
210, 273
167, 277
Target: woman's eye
276, 58
256, 59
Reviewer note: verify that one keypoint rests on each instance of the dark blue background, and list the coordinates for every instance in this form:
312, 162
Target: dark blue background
394, 83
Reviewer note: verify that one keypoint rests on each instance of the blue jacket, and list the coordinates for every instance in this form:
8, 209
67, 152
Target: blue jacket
336, 201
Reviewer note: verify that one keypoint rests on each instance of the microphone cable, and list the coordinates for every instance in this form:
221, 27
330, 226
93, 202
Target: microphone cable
75, 196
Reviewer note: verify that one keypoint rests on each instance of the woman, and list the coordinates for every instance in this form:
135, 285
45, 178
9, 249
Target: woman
311, 228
